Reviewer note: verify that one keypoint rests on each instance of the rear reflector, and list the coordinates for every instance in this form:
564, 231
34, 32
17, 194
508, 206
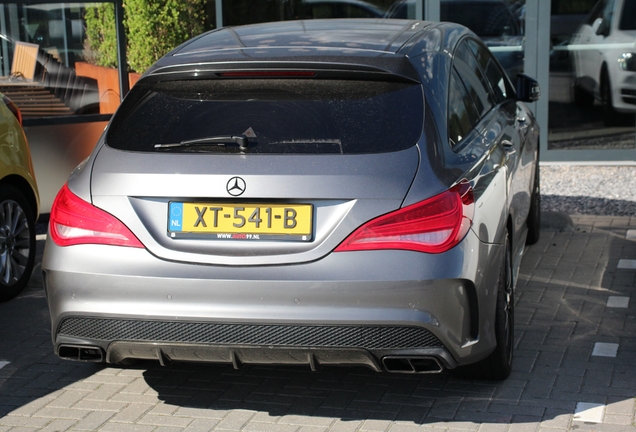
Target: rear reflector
434, 225
74, 221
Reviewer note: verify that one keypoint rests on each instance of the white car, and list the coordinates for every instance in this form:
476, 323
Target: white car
604, 57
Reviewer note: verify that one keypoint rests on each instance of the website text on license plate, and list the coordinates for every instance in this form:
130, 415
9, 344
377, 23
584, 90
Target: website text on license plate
245, 221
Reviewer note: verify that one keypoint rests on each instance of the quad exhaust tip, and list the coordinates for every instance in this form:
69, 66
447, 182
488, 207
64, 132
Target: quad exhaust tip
81, 353
414, 365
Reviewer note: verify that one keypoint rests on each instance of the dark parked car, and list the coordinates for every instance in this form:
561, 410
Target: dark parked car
305, 192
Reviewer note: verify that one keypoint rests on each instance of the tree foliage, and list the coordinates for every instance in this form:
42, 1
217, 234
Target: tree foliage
100, 45
153, 28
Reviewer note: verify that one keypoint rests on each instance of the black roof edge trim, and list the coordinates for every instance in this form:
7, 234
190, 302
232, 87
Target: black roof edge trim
403, 72
325, 74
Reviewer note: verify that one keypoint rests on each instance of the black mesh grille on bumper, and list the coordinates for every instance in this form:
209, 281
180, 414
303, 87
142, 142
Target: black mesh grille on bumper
368, 337
629, 96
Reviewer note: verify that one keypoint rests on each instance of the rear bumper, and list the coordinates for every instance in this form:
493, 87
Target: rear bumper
348, 308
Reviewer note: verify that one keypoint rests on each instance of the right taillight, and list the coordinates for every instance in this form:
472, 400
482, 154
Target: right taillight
434, 225
74, 221
13, 108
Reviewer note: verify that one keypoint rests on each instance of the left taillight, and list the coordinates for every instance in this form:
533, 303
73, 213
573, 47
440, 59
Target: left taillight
434, 225
74, 221
13, 108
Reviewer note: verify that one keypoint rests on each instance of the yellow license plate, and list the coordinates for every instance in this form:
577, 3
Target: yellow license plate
241, 221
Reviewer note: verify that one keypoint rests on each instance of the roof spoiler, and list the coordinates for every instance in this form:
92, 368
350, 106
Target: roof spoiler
396, 69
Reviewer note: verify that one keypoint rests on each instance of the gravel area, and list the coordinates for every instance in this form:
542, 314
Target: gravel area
589, 190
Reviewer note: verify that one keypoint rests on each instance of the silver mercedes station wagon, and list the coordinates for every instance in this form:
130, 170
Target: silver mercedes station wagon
324, 192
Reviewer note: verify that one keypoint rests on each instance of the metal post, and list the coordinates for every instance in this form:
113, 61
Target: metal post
218, 4
6, 68
14, 23
537, 59
433, 10
121, 49
419, 9
65, 34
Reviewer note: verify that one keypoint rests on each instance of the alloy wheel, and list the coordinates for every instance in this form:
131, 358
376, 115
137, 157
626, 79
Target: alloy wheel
15, 244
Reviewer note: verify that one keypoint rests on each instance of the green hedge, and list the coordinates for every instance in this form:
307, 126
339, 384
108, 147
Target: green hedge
100, 45
153, 28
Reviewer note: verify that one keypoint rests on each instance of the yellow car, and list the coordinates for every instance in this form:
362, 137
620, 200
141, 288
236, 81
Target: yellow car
19, 203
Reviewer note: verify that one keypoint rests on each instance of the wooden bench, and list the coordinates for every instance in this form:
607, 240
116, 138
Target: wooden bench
25, 61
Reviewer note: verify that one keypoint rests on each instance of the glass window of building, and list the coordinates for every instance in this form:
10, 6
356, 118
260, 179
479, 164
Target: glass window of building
59, 59
592, 75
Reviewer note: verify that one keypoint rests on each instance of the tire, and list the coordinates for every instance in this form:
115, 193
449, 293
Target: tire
610, 116
582, 97
498, 365
17, 242
534, 216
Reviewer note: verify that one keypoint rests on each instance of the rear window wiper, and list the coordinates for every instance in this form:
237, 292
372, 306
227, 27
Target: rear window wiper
241, 140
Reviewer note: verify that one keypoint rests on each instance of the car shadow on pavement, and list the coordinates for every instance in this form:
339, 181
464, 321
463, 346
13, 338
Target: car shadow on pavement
562, 312
561, 300
29, 369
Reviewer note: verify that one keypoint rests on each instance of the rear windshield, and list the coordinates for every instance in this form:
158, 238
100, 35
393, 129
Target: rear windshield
274, 115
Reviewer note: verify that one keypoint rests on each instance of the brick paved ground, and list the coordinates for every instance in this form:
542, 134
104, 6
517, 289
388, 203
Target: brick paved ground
571, 300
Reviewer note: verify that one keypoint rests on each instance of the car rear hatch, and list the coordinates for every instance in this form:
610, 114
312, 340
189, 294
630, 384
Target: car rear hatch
258, 167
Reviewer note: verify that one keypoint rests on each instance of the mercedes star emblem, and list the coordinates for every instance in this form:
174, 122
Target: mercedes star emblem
235, 186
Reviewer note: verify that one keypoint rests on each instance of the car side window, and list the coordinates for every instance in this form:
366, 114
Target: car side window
607, 16
608, 12
494, 75
628, 16
477, 85
462, 114
597, 12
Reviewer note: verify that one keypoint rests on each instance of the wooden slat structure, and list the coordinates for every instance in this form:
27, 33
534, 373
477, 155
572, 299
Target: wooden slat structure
43, 87
35, 101
25, 60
